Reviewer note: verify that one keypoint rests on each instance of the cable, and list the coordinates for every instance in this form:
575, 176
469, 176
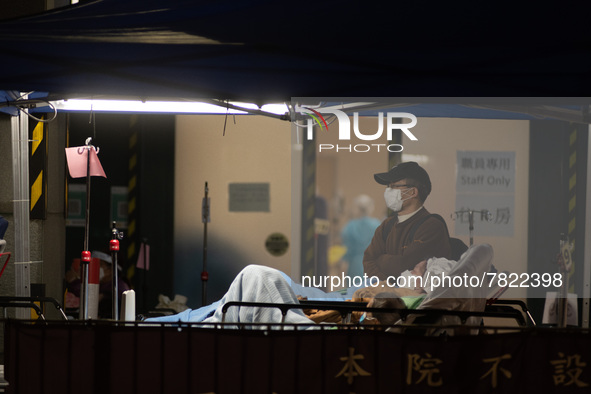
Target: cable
329, 119
36, 118
21, 105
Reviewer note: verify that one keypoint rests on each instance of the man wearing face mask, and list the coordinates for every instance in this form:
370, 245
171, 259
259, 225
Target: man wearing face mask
391, 250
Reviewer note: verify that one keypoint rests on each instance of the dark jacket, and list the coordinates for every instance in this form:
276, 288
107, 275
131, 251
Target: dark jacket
398, 253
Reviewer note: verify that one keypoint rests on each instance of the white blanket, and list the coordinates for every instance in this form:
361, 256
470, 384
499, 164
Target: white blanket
256, 283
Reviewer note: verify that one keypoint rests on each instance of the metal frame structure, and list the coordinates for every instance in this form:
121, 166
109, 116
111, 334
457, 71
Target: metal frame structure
21, 204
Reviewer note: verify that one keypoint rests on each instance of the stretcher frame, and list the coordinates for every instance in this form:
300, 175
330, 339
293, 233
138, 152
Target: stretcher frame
346, 308
33, 302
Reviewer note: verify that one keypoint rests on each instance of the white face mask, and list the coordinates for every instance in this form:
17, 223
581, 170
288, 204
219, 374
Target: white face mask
394, 199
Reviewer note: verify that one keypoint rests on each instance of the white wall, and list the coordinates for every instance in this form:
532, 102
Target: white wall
254, 149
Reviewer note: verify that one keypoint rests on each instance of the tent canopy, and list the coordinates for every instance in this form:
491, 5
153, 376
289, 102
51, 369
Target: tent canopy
264, 50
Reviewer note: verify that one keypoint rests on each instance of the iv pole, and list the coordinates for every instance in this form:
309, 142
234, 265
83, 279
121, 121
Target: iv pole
484, 215
205, 218
85, 257
78, 169
114, 248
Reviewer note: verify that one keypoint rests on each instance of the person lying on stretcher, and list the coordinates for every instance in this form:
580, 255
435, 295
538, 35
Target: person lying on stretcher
257, 283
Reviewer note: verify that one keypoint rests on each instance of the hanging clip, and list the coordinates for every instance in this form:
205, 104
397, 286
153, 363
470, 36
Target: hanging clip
87, 146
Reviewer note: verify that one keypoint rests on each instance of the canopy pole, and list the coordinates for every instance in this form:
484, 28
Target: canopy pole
21, 207
296, 199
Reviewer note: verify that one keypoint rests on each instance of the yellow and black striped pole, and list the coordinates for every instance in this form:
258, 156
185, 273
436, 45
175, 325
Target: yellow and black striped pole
38, 172
132, 196
308, 266
572, 198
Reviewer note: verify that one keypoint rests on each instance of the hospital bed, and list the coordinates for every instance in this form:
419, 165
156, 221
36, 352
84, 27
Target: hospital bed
141, 357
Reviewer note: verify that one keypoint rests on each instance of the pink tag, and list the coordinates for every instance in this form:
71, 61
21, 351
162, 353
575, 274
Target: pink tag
77, 162
143, 259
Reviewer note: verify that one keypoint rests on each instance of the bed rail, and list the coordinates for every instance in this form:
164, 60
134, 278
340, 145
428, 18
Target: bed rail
345, 308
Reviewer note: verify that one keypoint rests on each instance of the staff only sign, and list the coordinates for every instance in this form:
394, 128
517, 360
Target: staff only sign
345, 130
486, 183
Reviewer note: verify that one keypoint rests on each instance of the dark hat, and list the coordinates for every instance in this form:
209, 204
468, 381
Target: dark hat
407, 170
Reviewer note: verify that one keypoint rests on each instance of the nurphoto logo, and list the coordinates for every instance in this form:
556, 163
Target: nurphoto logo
394, 121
